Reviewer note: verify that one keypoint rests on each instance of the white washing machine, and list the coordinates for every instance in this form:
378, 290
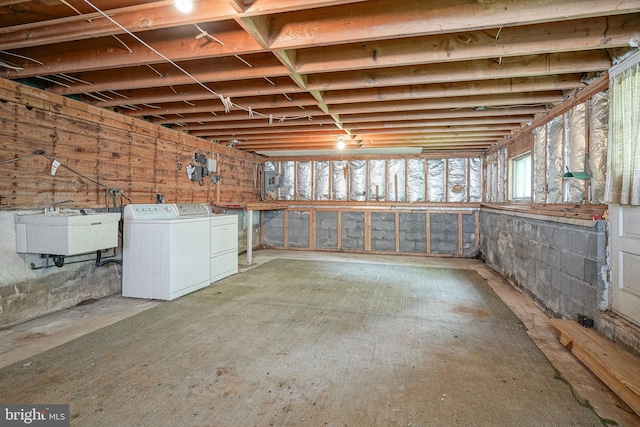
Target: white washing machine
166, 250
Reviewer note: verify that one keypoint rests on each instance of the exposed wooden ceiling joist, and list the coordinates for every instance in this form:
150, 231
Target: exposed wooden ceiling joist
291, 75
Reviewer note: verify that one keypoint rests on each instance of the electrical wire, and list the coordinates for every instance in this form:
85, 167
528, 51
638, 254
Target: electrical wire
37, 153
45, 155
228, 104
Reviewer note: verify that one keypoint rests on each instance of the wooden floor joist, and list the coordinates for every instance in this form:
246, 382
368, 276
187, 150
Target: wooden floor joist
615, 367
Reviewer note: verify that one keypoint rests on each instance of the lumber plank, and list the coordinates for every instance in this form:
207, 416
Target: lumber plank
615, 367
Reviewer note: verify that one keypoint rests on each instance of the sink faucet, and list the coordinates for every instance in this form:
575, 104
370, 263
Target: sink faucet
54, 206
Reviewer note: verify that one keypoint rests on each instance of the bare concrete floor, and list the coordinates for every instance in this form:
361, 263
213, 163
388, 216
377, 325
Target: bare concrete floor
27, 340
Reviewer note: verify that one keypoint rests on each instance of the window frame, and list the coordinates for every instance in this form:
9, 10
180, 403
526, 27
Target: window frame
512, 177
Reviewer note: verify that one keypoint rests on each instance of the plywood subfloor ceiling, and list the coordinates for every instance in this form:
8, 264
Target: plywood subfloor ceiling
289, 76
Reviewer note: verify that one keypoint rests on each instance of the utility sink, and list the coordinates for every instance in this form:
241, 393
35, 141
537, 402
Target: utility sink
68, 232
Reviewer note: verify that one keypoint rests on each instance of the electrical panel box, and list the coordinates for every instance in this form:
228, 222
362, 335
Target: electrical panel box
199, 158
195, 173
212, 166
272, 181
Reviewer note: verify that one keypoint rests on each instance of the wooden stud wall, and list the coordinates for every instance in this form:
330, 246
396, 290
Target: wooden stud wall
367, 230
118, 151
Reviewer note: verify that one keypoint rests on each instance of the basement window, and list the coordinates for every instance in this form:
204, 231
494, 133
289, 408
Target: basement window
520, 168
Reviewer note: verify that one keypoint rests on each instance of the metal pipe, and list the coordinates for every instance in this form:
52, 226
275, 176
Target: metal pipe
54, 205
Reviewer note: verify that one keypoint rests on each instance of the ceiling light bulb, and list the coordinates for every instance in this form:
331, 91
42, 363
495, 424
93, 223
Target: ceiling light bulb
184, 6
340, 144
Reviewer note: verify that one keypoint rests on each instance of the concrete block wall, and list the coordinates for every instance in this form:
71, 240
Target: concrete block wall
353, 230
444, 233
561, 265
469, 235
274, 228
413, 232
409, 231
326, 230
383, 231
298, 229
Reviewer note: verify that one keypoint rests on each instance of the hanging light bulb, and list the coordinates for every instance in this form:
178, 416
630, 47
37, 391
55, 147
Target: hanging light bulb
184, 6
340, 143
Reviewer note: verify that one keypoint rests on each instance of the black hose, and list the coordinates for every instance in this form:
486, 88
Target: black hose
100, 263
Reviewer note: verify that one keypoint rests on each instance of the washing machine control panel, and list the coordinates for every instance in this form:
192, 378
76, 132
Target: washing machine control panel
192, 209
150, 211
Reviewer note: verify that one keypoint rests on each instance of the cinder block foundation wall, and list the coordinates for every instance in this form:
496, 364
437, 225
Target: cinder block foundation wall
435, 232
560, 262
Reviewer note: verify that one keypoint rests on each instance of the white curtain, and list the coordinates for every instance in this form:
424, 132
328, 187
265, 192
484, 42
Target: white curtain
623, 156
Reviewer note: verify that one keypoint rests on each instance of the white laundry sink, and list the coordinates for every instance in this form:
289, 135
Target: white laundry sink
68, 232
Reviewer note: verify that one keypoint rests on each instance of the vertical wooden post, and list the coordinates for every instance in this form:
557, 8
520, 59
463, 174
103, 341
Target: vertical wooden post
395, 184
367, 231
312, 229
366, 180
545, 188
426, 179
406, 178
468, 179
330, 178
587, 169
313, 180
295, 180
564, 159
446, 180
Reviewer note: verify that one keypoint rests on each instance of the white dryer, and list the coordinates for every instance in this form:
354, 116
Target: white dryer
166, 250
224, 246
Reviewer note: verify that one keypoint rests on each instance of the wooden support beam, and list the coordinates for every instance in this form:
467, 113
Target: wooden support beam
215, 105
142, 17
388, 19
482, 69
475, 102
224, 69
598, 86
367, 231
258, 27
194, 92
456, 89
440, 114
564, 36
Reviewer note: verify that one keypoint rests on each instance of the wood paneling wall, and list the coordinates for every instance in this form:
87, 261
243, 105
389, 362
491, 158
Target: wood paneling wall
118, 151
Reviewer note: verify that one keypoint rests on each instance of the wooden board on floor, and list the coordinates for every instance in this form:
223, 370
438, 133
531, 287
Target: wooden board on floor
615, 367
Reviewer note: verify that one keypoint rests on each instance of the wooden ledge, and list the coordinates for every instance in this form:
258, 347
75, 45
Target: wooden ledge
252, 206
615, 367
588, 212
